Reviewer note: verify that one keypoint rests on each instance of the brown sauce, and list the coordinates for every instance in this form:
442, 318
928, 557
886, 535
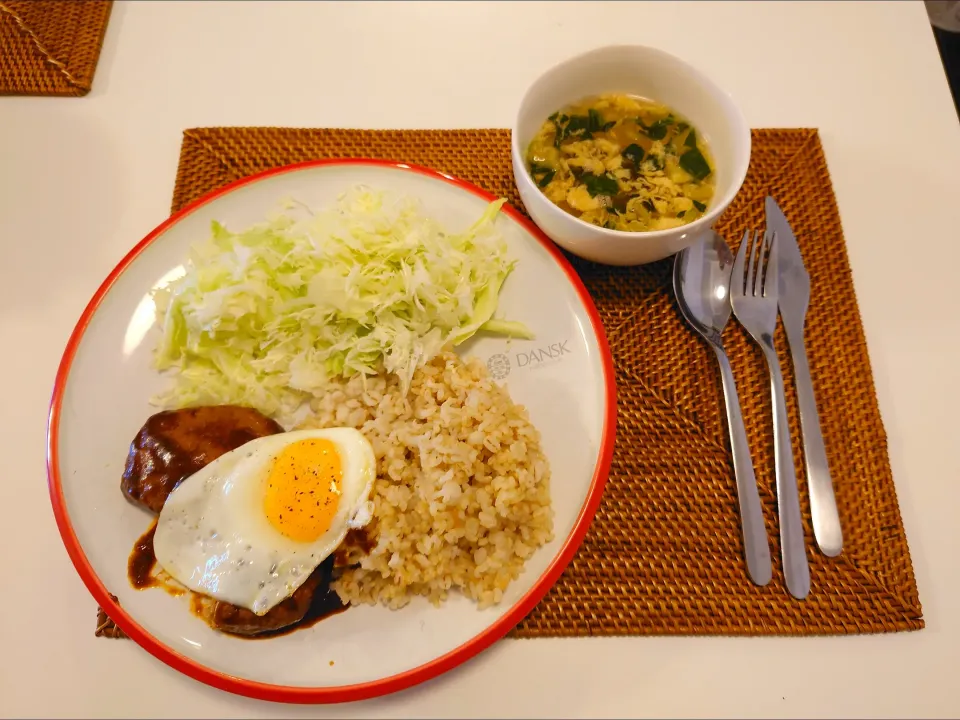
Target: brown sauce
360, 539
200, 605
142, 561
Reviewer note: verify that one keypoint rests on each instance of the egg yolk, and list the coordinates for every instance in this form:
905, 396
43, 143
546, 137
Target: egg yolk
303, 489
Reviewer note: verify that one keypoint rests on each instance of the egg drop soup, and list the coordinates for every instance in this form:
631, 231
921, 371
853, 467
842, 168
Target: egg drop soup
623, 163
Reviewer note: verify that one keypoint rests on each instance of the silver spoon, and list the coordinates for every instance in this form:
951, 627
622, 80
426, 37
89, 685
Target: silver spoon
701, 281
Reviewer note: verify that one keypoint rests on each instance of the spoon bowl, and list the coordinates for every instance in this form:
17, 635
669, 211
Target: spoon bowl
701, 281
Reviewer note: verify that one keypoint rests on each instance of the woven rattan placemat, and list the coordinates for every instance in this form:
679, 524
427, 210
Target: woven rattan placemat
664, 554
50, 47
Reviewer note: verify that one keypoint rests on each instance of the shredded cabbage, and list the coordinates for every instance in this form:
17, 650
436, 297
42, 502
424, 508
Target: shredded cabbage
266, 316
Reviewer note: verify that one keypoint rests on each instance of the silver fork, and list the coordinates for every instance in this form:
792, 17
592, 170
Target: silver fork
753, 294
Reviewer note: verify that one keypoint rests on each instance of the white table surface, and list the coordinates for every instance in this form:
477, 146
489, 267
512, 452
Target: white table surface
83, 179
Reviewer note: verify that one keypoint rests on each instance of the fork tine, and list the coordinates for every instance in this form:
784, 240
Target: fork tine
755, 268
738, 274
761, 264
771, 275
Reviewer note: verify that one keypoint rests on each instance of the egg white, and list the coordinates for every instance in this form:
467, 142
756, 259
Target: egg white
213, 536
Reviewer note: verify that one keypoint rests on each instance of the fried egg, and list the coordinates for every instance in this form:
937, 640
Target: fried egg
250, 527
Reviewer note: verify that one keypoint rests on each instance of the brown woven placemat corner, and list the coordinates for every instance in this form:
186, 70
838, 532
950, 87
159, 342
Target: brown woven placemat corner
50, 47
664, 554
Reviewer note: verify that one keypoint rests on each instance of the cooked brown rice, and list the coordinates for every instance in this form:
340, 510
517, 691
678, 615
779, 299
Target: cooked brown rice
462, 494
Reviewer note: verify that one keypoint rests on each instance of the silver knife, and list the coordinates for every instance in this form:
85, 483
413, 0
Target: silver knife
794, 299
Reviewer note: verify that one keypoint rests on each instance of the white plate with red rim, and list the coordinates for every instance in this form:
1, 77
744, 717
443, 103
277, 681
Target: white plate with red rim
101, 398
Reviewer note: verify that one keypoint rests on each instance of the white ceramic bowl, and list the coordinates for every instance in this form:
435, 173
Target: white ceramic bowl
650, 73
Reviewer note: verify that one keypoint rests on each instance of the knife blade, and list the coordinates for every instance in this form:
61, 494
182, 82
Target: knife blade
794, 301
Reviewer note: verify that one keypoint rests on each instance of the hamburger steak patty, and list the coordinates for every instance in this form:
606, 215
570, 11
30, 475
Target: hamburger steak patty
174, 444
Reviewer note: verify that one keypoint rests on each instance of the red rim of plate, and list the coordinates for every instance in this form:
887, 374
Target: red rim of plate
382, 686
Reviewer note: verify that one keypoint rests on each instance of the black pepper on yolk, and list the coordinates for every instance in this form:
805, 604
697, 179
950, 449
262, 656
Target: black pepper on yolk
303, 489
